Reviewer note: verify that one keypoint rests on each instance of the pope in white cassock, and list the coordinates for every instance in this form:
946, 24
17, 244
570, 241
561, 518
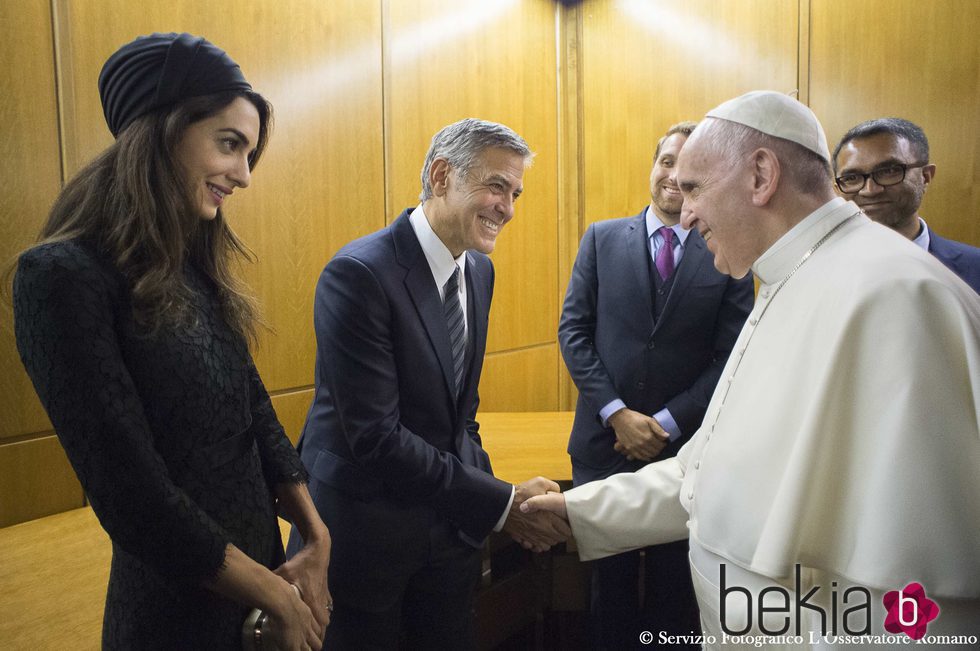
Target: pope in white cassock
839, 459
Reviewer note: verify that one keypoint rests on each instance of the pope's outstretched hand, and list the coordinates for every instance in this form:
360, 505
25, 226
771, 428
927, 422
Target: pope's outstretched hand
552, 502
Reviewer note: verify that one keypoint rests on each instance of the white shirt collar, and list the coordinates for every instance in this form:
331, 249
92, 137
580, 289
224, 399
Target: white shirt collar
779, 259
440, 260
922, 239
654, 223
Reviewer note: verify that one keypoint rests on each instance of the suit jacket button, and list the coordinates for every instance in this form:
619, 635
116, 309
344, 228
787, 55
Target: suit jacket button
640, 385
651, 345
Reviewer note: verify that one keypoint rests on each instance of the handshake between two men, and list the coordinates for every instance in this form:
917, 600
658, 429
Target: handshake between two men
532, 523
538, 519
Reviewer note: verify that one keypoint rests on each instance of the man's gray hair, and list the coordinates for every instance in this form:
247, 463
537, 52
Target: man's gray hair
461, 142
806, 170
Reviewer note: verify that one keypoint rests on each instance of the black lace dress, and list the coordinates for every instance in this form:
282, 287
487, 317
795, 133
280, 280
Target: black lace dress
173, 438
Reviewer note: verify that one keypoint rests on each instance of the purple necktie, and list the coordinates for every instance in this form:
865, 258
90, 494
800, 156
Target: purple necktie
665, 256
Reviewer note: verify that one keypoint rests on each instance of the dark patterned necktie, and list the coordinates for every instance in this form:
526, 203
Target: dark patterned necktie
665, 256
453, 311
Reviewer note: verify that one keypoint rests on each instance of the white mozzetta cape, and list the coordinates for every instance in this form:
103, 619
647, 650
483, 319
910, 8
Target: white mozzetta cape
843, 434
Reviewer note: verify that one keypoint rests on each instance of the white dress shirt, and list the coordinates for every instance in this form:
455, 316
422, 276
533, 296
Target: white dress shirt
442, 264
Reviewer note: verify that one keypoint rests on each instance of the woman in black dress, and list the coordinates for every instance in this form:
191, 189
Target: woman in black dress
135, 334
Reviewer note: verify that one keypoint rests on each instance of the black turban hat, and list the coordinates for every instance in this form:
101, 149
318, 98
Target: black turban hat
160, 70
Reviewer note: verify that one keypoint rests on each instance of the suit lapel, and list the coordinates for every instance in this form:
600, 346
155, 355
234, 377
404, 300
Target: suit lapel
638, 252
425, 296
695, 254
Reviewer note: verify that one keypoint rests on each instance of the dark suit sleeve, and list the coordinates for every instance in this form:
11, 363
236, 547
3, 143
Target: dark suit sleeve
280, 462
688, 407
576, 329
353, 322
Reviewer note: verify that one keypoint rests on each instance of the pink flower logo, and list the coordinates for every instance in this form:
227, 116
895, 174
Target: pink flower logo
909, 611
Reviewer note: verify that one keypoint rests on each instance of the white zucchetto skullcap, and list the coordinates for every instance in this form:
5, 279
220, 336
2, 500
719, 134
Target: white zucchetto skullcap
777, 115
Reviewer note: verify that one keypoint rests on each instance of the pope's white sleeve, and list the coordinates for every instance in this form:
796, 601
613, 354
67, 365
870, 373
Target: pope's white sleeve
628, 511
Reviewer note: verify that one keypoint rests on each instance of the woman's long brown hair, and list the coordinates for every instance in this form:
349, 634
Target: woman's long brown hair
131, 204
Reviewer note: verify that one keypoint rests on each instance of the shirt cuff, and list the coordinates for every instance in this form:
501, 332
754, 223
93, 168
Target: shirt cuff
503, 517
668, 423
609, 410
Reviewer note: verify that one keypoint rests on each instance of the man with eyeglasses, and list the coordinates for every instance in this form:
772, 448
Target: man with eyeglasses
883, 166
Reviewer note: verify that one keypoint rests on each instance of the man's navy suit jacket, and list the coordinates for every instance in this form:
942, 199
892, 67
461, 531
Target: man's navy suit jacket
614, 348
962, 259
385, 423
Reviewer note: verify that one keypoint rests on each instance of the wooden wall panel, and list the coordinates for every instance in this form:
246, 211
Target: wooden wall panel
291, 409
31, 171
321, 182
36, 480
570, 182
647, 64
496, 61
915, 60
520, 380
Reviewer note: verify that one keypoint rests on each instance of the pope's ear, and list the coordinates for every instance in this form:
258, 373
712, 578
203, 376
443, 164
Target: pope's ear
439, 173
766, 174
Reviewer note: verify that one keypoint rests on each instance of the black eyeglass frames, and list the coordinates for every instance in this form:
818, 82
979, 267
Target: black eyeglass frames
891, 174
